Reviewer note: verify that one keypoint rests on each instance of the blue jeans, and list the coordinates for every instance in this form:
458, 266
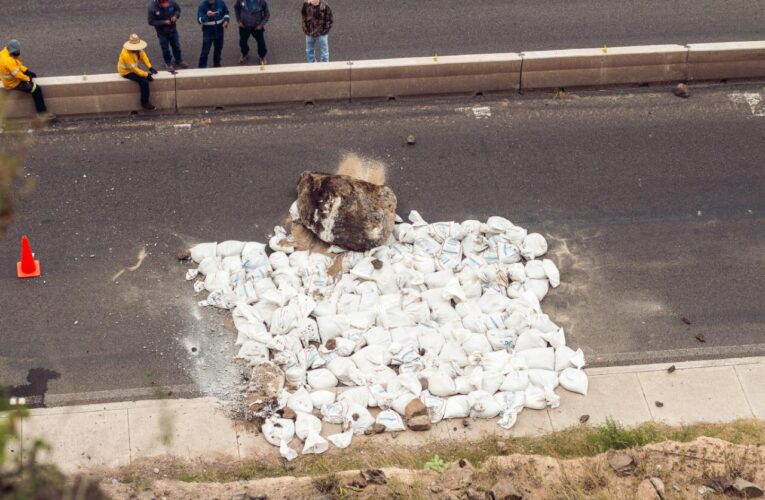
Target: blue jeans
217, 45
310, 42
170, 41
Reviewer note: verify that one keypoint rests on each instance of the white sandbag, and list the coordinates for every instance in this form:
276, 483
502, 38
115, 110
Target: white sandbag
438, 279
321, 379
358, 419
286, 452
534, 245
382, 375
551, 270
476, 342
457, 407
535, 398
405, 382
276, 430
546, 379
232, 263
334, 413
254, 352
416, 219
300, 401
305, 423
209, 265
440, 383
540, 357
515, 380
355, 395
555, 338
219, 280
321, 398
326, 307
341, 440
493, 302
378, 396
279, 260
430, 340
565, 357
574, 380
315, 444
483, 405
529, 339
405, 336
284, 319
229, 248
377, 335
391, 420
332, 326
453, 353
464, 386
497, 225
538, 287
500, 339
516, 272
535, 270
491, 381
346, 371
202, 250
399, 404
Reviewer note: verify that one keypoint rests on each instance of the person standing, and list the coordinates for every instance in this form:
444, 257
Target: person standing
128, 67
164, 15
252, 16
16, 76
213, 16
317, 21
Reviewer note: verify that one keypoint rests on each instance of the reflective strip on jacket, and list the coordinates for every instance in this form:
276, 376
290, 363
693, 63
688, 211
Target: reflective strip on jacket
12, 70
128, 63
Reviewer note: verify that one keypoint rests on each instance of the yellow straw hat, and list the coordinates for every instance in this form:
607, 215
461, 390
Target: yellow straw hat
134, 43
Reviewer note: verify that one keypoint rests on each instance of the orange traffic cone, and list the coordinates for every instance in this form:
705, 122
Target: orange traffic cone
28, 267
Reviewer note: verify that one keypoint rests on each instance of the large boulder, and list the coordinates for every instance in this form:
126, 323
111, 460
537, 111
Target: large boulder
340, 210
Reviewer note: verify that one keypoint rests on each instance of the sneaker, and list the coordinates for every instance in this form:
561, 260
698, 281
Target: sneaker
170, 68
263, 61
148, 107
180, 65
46, 117
244, 59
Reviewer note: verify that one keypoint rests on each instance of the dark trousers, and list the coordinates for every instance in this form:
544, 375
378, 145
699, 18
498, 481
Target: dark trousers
258, 35
207, 42
37, 94
143, 82
170, 41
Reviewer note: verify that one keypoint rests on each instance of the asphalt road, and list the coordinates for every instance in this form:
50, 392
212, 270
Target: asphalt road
653, 207
82, 36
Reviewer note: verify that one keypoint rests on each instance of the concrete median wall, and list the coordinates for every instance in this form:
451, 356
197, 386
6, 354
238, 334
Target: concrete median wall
92, 94
250, 85
718, 61
435, 75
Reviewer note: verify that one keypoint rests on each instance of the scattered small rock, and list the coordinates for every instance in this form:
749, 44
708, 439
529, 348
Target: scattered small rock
457, 477
473, 494
693, 448
377, 264
682, 90
685, 320
415, 408
419, 423
659, 404
745, 488
465, 422
671, 369
357, 482
376, 428
583, 419
700, 337
156, 471
183, 255
374, 476
411, 140
504, 489
622, 463
435, 487
651, 488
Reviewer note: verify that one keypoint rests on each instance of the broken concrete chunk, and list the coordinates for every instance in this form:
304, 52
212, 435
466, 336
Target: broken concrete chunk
746, 488
504, 489
340, 210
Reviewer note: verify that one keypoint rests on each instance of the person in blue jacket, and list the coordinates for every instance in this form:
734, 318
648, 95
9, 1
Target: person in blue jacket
213, 16
164, 15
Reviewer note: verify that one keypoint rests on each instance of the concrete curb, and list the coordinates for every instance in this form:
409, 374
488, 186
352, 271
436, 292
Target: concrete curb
385, 78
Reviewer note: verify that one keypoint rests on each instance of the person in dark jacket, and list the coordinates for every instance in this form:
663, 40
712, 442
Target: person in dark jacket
213, 16
252, 16
164, 15
317, 21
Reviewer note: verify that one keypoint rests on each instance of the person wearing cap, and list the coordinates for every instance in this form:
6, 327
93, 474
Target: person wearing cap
128, 67
164, 15
213, 16
16, 76
252, 16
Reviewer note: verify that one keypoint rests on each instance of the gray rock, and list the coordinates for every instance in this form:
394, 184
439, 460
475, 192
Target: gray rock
682, 90
504, 489
622, 464
415, 408
746, 488
340, 210
651, 488
419, 423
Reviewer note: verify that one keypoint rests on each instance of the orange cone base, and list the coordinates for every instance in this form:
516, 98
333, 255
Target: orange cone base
33, 274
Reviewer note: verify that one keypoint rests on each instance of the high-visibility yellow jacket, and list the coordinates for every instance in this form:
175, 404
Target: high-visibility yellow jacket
11, 70
128, 63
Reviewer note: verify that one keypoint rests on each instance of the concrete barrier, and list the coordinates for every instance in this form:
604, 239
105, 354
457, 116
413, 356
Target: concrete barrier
92, 94
267, 84
599, 67
717, 61
435, 75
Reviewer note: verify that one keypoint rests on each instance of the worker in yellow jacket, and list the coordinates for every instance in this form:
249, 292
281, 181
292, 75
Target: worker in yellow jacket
128, 67
16, 76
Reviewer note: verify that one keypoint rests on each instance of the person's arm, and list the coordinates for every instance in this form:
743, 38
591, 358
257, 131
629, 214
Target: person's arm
304, 13
266, 14
238, 11
153, 19
327, 19
145, 60
20, 71
177, 14
226, 17
202, 13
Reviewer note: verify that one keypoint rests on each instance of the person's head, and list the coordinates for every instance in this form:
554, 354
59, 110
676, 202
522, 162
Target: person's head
314, 2
14, 48
212, 3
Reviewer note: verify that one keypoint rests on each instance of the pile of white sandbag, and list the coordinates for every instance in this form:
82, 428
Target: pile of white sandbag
448, 313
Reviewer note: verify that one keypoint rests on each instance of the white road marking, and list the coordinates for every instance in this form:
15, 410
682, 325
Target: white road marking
753, 99
478, 111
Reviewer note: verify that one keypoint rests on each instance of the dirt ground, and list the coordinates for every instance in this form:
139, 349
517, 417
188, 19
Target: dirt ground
703, 469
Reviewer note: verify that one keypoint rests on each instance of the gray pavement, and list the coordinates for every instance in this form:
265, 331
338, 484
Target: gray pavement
653, 207
83, 36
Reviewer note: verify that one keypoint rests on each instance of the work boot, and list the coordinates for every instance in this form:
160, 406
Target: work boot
170, 68
148, 106
263, 61
244, 59
46, 117
181, 65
